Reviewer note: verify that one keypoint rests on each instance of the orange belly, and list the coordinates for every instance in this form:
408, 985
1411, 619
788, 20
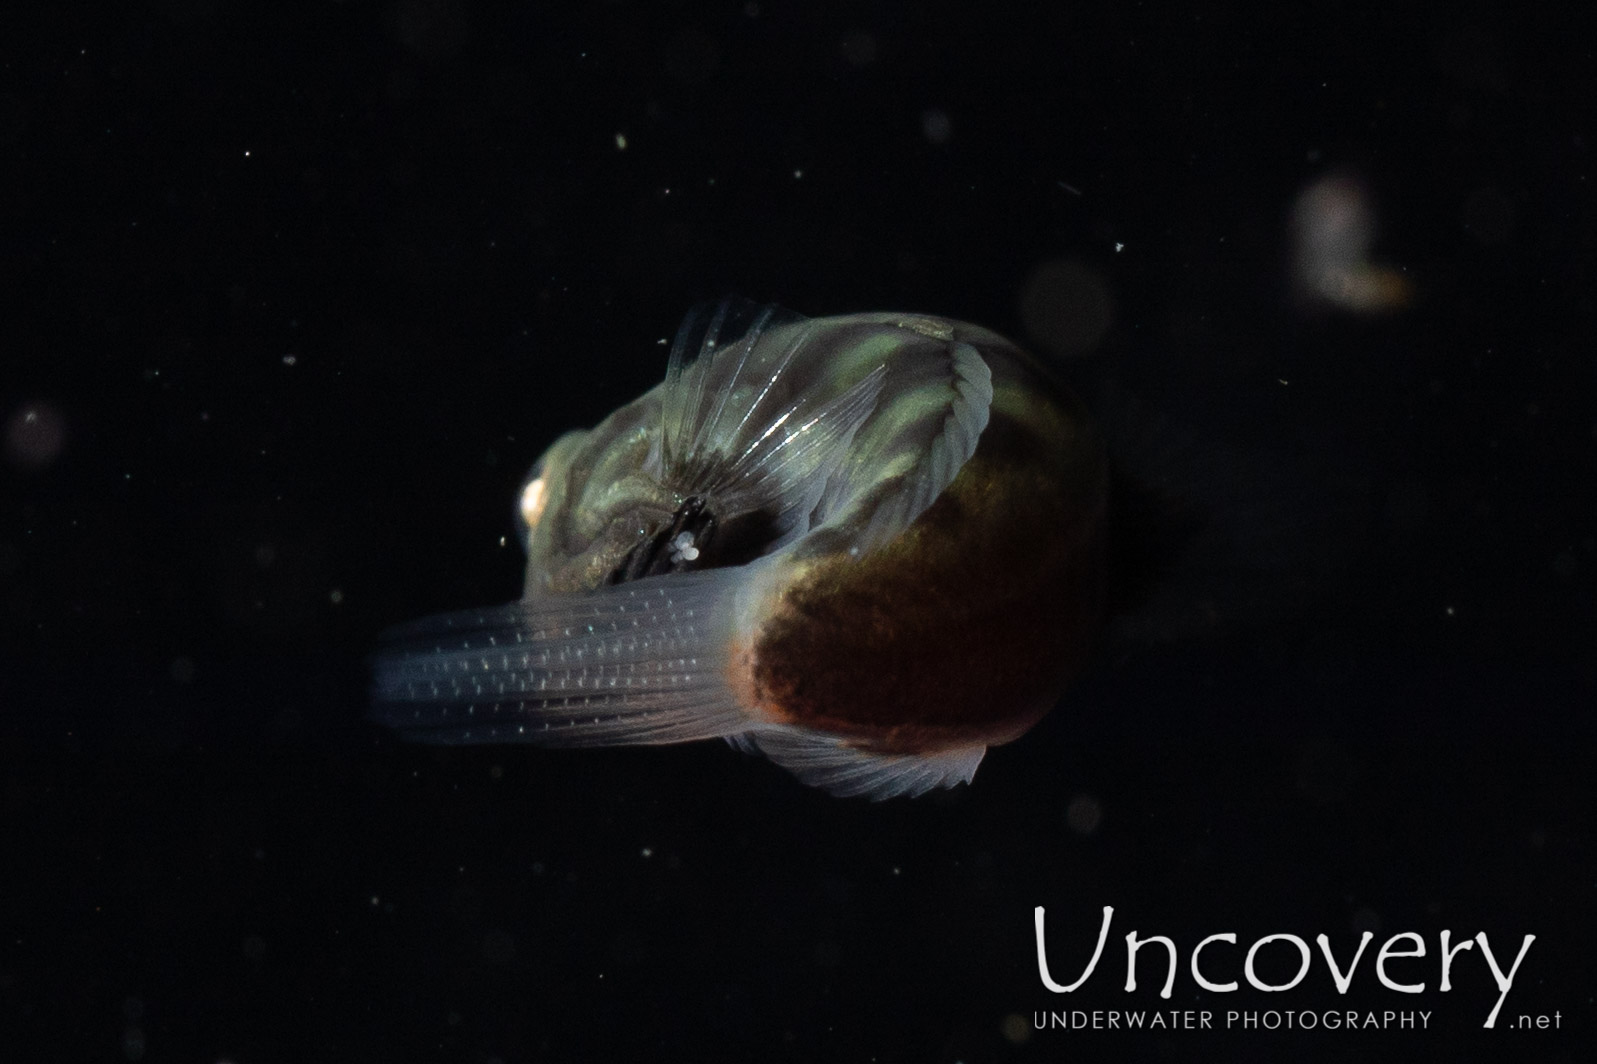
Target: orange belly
963, 630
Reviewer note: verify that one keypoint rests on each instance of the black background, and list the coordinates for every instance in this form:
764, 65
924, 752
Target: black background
295, 294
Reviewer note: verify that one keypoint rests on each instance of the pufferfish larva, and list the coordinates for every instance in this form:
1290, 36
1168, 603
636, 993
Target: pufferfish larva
867, 547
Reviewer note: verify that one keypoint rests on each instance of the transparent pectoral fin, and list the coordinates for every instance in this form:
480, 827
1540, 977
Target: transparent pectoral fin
756, 421
636, 663
830, 763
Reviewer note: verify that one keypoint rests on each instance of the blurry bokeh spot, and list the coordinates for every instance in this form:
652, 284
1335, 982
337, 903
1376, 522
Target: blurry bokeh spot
691, 56
858, 48
1333, 229
432, 30
1066, 307
1015, 1029
1084, 814
35, 434
1489, 216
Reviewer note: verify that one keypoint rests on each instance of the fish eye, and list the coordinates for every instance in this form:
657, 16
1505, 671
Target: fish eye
534, 496
545, 484
532, 501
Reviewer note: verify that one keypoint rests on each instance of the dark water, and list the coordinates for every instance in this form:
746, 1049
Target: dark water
296, 297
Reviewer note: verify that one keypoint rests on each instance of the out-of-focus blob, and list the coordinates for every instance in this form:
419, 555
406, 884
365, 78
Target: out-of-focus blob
35, 433
1489, 216
858, 48
432, 30
1333, 228
935, 125
1066, 307
692, 56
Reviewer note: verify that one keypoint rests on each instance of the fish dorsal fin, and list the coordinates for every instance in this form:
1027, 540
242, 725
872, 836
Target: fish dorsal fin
755, 420
927, 425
